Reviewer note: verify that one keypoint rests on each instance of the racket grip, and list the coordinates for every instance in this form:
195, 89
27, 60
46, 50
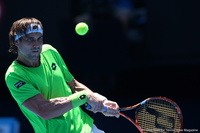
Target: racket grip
104, 110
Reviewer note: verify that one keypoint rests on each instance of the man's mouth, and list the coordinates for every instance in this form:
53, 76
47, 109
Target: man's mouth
35, 51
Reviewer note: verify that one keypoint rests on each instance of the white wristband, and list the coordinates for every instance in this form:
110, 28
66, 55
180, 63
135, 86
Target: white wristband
103, 98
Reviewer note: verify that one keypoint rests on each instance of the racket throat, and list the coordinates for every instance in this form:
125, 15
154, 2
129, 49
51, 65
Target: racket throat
132, 121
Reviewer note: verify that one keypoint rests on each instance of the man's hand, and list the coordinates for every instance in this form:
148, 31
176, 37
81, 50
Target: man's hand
112, 109
95, 102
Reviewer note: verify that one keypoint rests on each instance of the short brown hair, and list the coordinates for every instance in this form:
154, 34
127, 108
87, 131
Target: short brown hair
20, 27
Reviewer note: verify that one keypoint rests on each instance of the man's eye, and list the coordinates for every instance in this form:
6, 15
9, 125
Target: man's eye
40, 38
30, 39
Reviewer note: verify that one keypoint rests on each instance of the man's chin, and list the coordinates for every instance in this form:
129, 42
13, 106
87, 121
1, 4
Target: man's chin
35, 57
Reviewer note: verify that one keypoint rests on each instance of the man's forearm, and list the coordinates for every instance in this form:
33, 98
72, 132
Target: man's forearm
77, 86
56, 107
48, 109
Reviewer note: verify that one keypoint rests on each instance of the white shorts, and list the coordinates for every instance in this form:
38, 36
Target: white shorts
96, 130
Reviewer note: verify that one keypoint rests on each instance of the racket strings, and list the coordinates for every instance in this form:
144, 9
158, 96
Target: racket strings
158, 115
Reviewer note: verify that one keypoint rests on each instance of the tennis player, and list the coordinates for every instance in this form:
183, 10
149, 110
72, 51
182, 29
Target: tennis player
46, 92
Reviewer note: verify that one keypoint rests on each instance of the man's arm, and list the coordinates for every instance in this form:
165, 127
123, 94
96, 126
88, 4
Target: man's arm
48, 109
77, 86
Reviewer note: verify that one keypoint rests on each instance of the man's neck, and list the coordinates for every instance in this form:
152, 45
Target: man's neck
28, 63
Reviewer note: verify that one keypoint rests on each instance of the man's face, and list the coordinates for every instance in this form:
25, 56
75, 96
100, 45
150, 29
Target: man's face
30, 46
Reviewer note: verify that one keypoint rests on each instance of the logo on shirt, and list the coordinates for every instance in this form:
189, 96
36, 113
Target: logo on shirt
53, 66
82, 97
19, 84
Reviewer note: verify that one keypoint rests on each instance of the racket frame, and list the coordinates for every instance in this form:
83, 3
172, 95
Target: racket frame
141, 103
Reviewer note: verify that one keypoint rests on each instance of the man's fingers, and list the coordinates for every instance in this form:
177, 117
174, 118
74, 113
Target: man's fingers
98, 107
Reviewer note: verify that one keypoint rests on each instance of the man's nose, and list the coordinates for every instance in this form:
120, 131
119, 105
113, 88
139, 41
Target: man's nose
36, 43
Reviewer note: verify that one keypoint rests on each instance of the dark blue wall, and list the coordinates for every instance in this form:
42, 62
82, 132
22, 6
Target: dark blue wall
165, 63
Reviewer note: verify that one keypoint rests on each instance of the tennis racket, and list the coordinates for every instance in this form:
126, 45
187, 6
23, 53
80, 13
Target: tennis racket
155, 114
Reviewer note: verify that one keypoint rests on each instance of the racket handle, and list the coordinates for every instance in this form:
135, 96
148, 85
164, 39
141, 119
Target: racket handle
104, 110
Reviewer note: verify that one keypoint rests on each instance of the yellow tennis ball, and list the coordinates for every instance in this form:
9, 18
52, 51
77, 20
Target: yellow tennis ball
81, 28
